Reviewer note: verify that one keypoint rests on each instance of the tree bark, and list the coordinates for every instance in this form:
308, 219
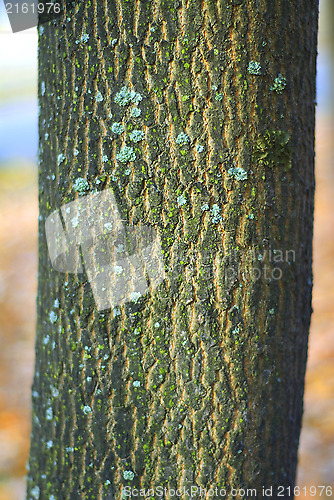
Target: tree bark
200, 381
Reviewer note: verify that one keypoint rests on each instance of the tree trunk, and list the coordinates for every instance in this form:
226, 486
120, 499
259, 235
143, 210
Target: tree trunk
198, 382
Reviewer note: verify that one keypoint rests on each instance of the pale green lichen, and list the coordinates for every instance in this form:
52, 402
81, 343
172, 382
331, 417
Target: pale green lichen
53, 317
135, 112
99, 97
126, 154
117, 128
182, 139
118, 270
137, 135
273, 149
254, 68
49, 414
108, 226
238, 173
60, 158
128, 474
279, 84
126, 96
75, 221
81, 186
35, 492
215, 212
219, 97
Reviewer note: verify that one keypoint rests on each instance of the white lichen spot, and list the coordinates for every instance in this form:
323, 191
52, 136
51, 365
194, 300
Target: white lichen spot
41, 30
49, 414
219, 97
238, 173
205, 207
53, 317
136, 112
199, 148
76, 152
127, 171
128, 474
99, 97
118, 270
84, 38
271, 311
87, 409
260, 257
251, 216
279, 84
157, 324
137, 135
120, 248
117, 128
114, 41
104, 160
35, 492
181, 200
108, 226
183, 139
136, 383
46, 340
56, 303
49, 444
54, 392
126, 154
60, 158
43, 88
254, 68
215, 212
81, 186
116, 311
135, 296
126, 96
75, 221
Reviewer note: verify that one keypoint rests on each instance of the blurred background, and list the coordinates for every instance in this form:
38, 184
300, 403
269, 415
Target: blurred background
18, 262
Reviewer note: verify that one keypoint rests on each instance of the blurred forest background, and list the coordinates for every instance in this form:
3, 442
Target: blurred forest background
18, 262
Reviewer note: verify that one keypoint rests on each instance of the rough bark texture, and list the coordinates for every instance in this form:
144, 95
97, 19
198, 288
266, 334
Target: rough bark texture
220, 355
